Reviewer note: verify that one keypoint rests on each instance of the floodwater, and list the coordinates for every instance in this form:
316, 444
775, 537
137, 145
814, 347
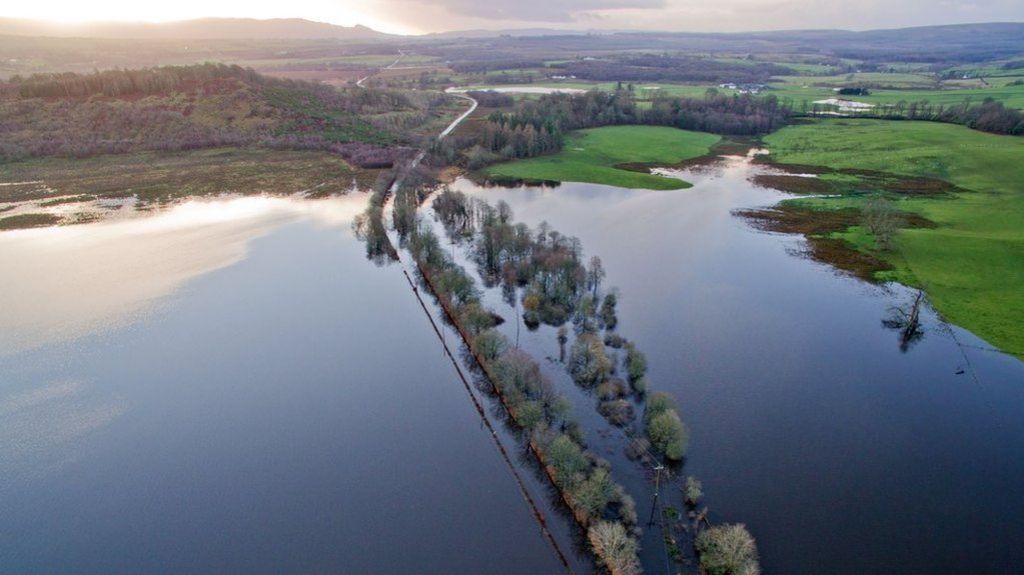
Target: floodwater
230, 386
521, 90
841, 452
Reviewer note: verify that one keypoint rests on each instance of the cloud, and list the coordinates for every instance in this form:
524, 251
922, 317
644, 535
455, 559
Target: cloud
540, 11
691, 15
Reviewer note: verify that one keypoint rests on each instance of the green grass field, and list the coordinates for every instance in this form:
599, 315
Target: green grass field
914, 88
591, 156
972, 264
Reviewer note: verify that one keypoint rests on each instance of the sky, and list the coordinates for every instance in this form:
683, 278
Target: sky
420, 16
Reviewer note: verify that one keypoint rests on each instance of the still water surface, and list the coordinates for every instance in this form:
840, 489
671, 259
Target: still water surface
842, 453
231, 387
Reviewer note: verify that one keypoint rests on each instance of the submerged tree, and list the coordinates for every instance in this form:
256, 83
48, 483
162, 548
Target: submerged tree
693, 490
728, 550
588, 362
615, 547
664, 427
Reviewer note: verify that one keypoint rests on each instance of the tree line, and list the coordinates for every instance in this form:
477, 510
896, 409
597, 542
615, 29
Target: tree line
538, 126
666, 68
559, 288
988, 116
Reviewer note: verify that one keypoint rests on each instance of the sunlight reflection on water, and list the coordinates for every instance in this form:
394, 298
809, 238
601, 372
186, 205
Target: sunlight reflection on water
65, 282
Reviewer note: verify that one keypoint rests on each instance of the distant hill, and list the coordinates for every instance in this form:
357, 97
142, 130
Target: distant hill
176, 108
206, 28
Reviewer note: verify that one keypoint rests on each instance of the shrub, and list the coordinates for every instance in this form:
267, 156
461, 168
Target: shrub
568, 460
618, 411
612, 389
614, 340
476, 319
637, 448
607, 314
627, 508
694, 490
490, 344
615, 547
593, 495
530, 415
728, 550
883, 220
636, 362
668, 434
659, 403
588, 363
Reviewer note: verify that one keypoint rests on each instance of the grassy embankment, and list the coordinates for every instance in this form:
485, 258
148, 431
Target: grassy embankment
972, 263
593, 155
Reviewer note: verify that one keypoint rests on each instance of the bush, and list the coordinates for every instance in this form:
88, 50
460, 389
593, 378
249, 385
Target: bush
592, 496
883, 220
618, 411
530, 415
568, 460
588, 362
636, 362
615, 548
611, 389
694, 490
607, 314
637, 448
728, 550
614, 340
490, 344
658, 403
668, 434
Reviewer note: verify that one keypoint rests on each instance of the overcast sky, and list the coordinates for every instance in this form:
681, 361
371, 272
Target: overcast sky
416, 16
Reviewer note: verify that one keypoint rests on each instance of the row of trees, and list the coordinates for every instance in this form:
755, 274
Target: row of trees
666, 68
538, 126
598, 503
988, 116
512, 255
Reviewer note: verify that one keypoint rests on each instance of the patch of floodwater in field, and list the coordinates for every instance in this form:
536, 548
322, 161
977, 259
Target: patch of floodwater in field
519, 90
230, 386
841, 452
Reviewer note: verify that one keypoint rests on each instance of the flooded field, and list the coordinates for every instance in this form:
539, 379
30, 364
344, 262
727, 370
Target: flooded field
231, 386
841, 449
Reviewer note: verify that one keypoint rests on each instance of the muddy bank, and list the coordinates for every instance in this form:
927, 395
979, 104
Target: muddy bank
806, 179
727, 146
818, 227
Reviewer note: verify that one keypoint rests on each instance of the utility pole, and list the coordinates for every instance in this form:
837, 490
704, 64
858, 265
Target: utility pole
657, 485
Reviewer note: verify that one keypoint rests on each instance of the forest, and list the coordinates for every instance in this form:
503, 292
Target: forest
208, 105
538, 127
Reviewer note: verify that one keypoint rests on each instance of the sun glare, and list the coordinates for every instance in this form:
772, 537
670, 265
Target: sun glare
73, 13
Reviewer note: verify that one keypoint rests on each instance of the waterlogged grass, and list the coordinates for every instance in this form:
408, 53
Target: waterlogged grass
972, 263
912, 88
591, 156
165, 176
